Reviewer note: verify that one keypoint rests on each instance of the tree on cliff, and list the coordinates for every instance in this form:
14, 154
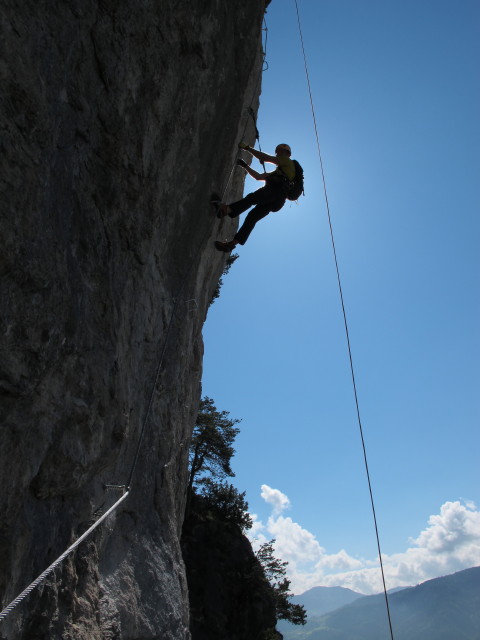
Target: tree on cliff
211, 450
227, 503
211, 446
275, 572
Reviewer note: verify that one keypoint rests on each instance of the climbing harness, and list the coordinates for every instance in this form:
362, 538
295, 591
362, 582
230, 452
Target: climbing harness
352, 371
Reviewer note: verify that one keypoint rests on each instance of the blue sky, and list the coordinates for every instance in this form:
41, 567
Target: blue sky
397, 96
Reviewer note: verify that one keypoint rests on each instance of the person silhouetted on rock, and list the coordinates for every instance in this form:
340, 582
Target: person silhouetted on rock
269, 198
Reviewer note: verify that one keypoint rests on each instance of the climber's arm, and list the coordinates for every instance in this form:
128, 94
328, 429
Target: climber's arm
255, 174
263, 157
252, 172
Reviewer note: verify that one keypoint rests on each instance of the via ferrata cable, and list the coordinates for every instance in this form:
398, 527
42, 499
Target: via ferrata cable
4, 613
346, 325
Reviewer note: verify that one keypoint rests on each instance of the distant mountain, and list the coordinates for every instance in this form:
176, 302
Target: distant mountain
396, 589
317, 601
320, 600
446, 608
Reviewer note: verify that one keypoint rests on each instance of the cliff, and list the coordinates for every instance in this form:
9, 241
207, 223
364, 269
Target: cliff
229, 595
118, 120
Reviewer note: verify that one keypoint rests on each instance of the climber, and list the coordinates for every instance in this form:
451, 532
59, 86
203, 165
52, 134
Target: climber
269, 198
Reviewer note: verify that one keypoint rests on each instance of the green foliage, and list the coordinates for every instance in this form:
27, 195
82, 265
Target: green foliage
230, 260
210, 454
227, 503
211, 496
275, 572
211, 447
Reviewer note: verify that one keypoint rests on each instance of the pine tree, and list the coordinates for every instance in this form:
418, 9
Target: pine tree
227, 503
275, 572
211, 447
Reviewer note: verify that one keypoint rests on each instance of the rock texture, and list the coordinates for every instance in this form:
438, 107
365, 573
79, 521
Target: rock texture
117, 120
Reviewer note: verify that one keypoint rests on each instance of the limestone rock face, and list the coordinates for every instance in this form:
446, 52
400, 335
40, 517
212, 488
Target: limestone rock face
117, 120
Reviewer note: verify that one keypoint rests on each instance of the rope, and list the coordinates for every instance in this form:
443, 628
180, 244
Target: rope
127, 487
59, 560
346, 325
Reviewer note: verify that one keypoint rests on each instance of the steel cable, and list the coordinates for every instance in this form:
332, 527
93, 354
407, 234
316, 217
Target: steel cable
346, 326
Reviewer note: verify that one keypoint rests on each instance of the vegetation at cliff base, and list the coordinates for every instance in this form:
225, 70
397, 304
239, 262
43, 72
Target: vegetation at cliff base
210, 454
227, 503
275, 572
210, 495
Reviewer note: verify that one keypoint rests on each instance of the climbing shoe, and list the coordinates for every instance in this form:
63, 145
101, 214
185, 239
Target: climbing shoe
225, 246
215, 201
221, 209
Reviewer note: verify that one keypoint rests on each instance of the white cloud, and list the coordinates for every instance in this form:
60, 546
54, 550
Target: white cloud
276, 498
458, 524
450, 542
340, 561
255, 533
294, 542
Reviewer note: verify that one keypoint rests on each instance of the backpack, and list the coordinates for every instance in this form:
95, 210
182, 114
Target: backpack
294, 188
